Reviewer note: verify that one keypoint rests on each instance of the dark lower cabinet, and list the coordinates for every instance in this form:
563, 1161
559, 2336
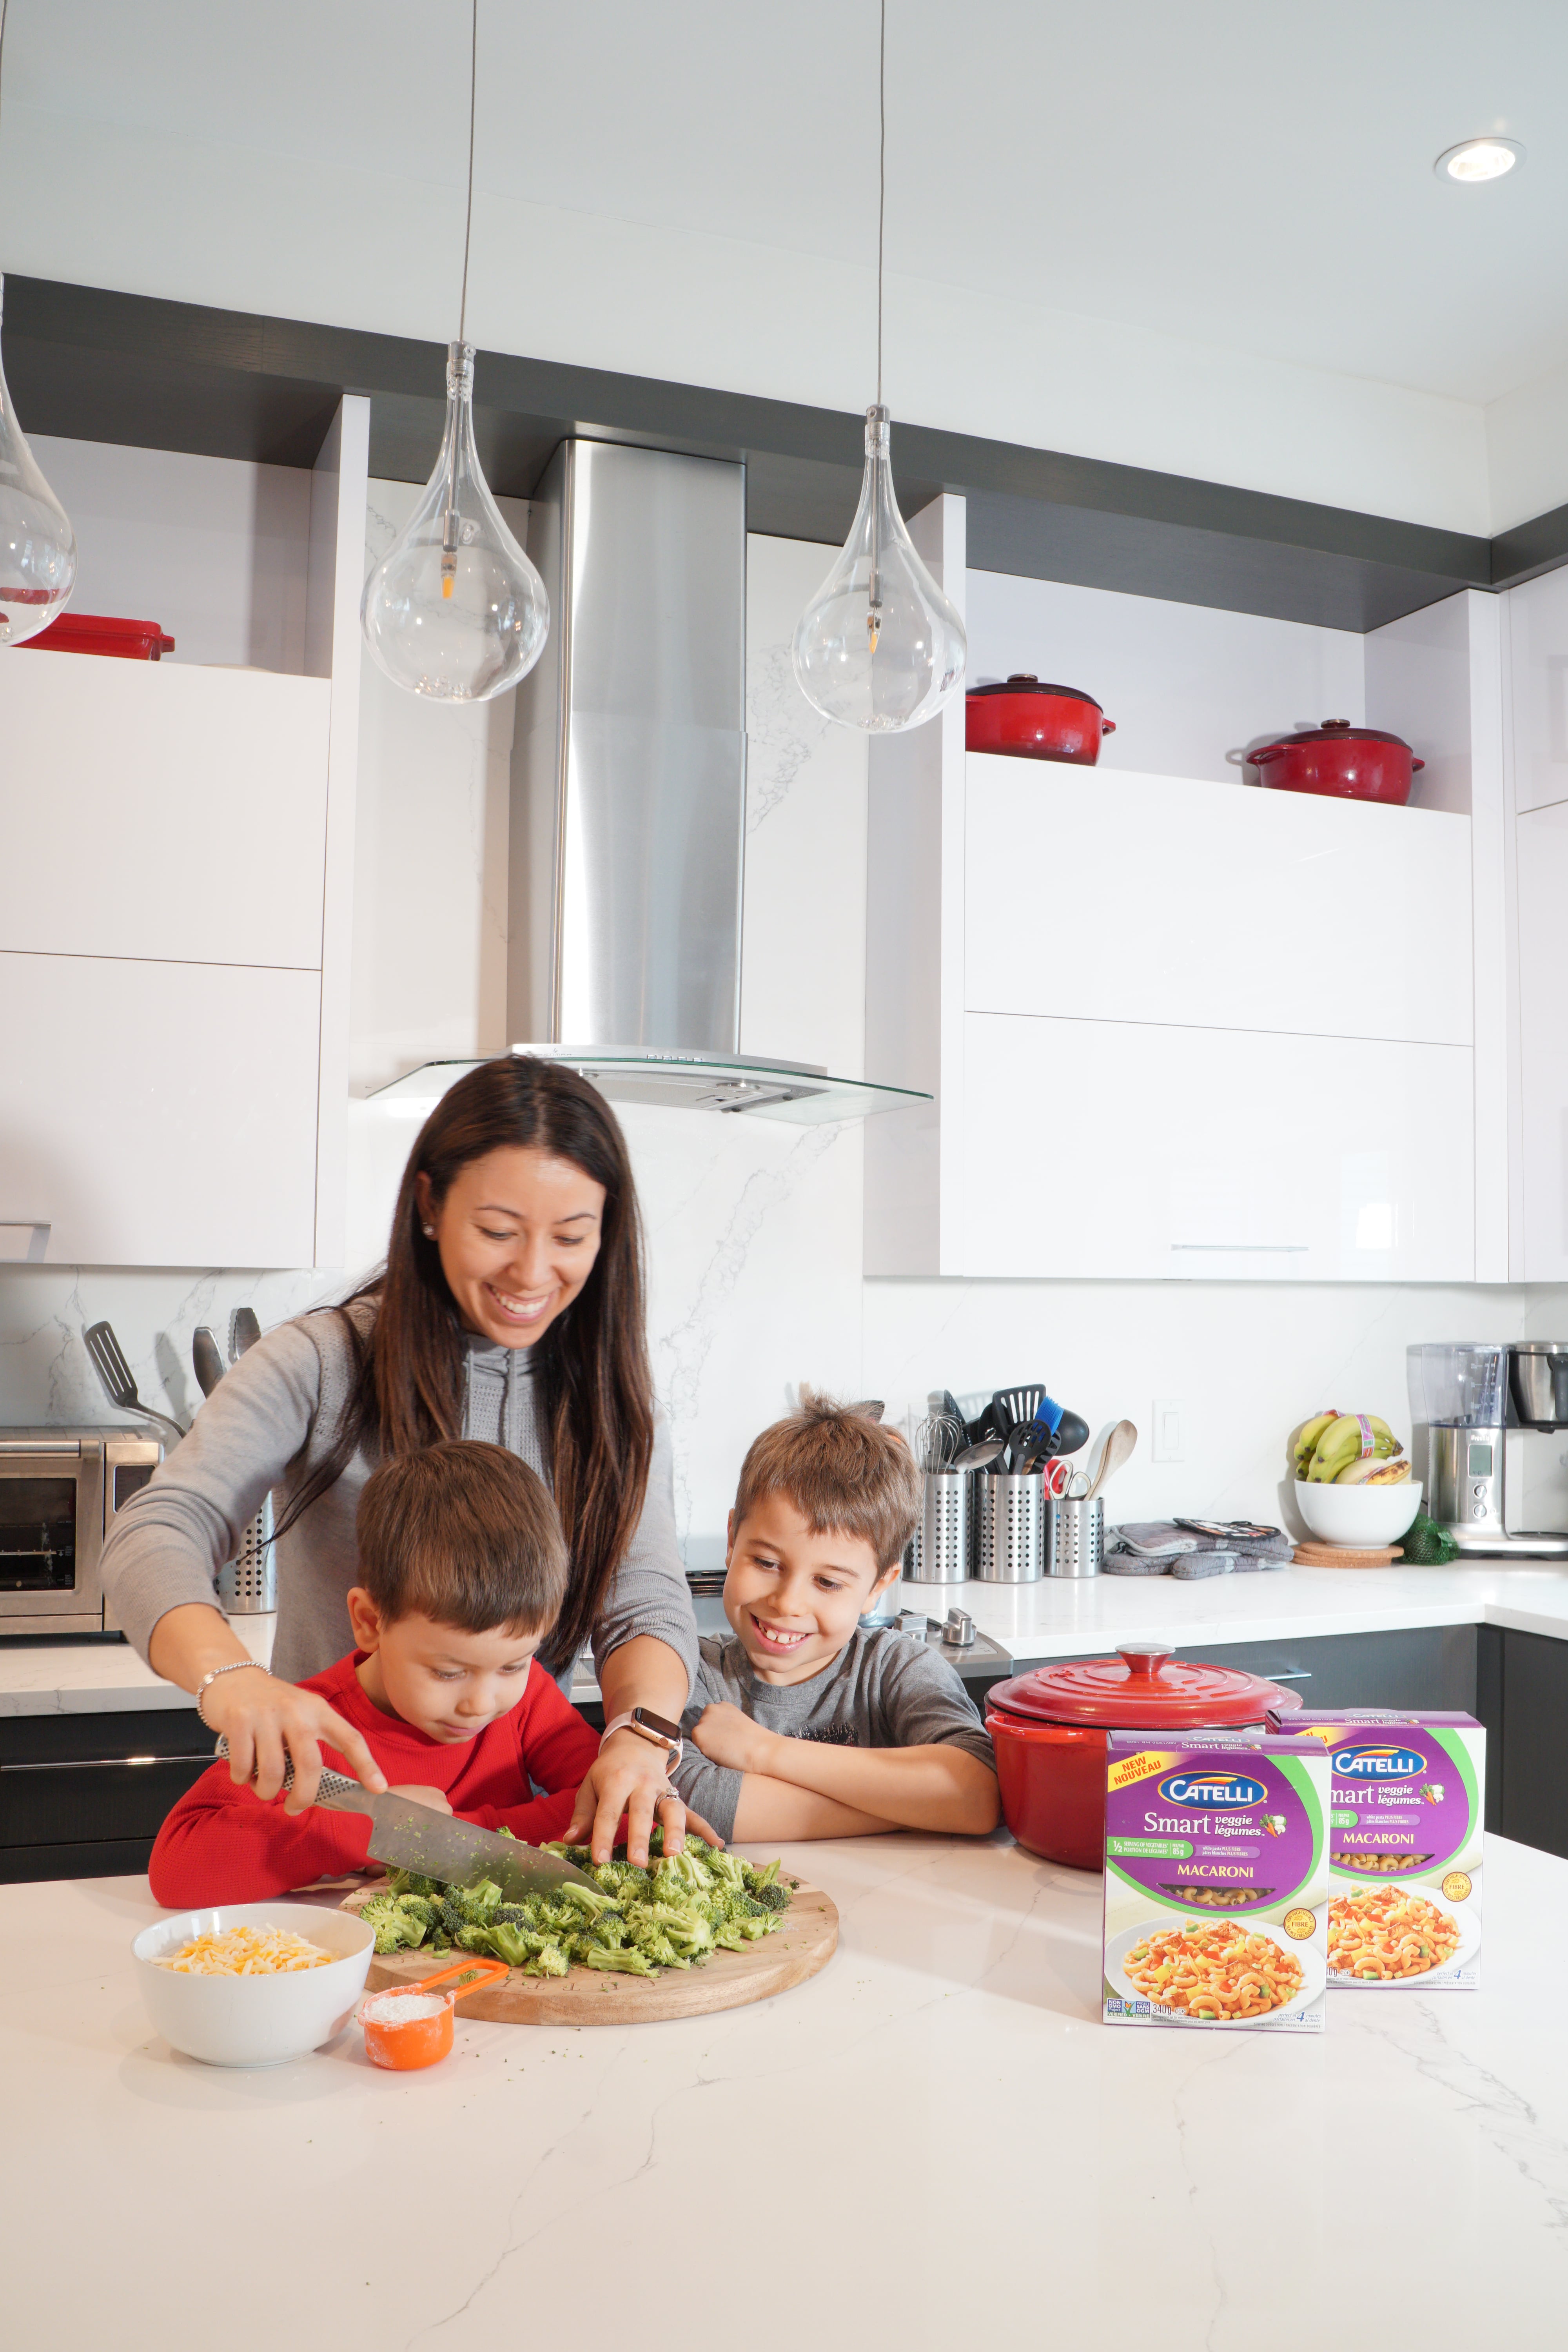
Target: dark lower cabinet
1531, 1767
83, 1796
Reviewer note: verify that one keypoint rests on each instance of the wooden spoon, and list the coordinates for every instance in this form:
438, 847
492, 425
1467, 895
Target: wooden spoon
1118, 1447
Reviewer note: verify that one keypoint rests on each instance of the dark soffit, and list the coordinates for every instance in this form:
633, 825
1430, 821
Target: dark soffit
94, 365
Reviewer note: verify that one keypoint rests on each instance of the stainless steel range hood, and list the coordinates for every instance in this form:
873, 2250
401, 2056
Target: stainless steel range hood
628, 798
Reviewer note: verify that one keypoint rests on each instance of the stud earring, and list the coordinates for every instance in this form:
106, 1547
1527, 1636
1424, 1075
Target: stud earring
429, 1232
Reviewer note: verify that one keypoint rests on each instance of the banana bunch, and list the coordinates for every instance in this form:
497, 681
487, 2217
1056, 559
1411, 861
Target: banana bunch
1349, 1449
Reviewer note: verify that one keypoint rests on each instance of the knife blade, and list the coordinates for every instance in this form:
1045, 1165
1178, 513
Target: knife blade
414, 1837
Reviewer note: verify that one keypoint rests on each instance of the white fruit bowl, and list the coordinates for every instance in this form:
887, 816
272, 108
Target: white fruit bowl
1362, 1518
254, 2020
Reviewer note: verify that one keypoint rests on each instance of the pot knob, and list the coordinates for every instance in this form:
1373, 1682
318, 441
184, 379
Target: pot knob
1336, 727
1143, 1660
1022, 677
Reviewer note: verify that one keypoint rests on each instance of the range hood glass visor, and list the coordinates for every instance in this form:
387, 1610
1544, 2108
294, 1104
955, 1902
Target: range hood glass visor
796, 1092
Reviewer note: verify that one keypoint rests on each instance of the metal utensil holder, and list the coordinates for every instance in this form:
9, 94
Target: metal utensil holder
1010, 1548
247, 1586
1076, 1538
939, 1550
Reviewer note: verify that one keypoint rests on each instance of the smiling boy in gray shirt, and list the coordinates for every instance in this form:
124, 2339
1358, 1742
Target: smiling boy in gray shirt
800, 1724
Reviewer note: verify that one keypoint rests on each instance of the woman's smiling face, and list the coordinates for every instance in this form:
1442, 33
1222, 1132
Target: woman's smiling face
518, 1233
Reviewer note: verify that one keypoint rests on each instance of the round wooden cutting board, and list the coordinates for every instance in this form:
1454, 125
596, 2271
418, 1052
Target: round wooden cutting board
803, 1944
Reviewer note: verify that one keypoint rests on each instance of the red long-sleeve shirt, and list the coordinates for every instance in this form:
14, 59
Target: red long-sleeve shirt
222, 1844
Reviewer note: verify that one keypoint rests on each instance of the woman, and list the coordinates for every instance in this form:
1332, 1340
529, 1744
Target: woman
511, 1308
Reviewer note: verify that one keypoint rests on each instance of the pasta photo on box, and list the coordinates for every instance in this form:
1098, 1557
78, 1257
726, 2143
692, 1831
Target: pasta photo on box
1406, 1801
1216, 1881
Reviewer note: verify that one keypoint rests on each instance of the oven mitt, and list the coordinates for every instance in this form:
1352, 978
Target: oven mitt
1135, 1563
1155, 1538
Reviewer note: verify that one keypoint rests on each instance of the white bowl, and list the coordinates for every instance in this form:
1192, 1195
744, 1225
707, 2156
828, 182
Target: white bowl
254, 2020
1362, 1518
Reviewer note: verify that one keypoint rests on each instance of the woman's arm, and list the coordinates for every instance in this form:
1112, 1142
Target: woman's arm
644, 1651
263, 1719
939, 1787
629, 1770
162, 1558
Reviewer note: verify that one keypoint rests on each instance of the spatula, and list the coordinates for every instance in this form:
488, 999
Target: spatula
207, 1360
244, 1330
108, 1358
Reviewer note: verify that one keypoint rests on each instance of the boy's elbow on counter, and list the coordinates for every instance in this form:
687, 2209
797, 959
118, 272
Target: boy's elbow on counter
983, 1810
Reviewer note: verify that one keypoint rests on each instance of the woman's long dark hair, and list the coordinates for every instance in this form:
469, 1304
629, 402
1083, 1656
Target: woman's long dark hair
596, 1388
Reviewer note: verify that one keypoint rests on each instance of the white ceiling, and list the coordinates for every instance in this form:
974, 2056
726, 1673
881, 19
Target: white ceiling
1243, 172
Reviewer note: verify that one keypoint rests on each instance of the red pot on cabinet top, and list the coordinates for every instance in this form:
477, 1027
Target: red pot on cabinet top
1341, 762
1031, 721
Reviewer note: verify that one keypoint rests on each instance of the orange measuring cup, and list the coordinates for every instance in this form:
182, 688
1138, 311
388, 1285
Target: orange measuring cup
402, 2043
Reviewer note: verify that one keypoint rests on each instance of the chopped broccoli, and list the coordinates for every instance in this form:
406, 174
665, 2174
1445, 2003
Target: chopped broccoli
687, 1904
398, 1925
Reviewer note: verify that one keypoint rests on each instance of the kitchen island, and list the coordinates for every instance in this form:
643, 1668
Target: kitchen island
934, 2134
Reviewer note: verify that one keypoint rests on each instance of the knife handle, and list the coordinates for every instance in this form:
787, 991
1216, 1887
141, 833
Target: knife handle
333, 1789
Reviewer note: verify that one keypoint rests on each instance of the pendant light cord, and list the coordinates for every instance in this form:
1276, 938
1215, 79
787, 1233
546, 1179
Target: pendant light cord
468, 218
881, 184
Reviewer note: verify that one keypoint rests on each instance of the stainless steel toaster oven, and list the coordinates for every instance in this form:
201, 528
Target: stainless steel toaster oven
59, 1490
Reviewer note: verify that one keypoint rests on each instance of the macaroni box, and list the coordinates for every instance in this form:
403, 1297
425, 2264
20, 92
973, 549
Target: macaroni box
1217, 1880
1407, 1792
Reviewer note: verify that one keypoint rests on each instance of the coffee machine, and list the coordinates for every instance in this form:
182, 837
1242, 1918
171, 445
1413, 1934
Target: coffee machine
1466, 1436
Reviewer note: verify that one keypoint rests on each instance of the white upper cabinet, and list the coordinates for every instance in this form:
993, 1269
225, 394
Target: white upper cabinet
176, 874
1178, 1026
1109, 896
183, 812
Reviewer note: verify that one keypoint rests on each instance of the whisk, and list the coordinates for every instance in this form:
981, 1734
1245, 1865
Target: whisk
937, 1439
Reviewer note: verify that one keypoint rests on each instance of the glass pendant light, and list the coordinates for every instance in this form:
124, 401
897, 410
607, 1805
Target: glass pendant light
38, 545
879, 646
454, 611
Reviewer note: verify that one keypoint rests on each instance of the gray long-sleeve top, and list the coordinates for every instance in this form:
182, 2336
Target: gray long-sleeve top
263, 1430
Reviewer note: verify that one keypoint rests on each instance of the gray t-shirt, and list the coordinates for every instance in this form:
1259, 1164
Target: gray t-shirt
264, 1429
883, 1690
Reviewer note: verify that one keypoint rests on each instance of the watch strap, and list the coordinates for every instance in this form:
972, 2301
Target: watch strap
673, 1750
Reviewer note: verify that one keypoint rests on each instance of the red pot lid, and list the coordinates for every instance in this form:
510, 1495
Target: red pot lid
1026, 682
1144, 1688
1335, 730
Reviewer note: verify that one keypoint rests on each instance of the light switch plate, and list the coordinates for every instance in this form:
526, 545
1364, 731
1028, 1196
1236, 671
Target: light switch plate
1165, 1431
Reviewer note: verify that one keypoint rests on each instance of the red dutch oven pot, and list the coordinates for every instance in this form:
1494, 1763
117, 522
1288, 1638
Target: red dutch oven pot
1340, 761
95, 633
1048, 1729
1033, 721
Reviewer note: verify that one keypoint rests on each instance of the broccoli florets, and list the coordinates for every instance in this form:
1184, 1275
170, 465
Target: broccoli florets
770, 1895
397, 1920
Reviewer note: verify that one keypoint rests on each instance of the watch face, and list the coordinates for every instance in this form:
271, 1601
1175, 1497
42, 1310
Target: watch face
645, 1721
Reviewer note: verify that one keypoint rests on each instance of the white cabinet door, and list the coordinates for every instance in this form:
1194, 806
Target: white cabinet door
158, 1114
151, 810
1133, 898
1544, 1041
1538, 671
1109, 1149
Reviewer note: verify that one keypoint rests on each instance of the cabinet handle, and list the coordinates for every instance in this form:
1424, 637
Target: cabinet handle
1262, 1249
96, 1763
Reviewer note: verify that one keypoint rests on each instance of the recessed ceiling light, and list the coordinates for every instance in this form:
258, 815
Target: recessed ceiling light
1478, 159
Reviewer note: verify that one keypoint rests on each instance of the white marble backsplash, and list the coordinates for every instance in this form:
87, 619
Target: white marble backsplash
753, 1226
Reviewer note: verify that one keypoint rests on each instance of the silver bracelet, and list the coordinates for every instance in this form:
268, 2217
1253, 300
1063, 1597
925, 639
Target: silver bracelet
233, 1667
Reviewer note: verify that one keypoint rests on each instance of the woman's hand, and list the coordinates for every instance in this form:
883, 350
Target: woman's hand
628, 1777
726, 1736
266, 1721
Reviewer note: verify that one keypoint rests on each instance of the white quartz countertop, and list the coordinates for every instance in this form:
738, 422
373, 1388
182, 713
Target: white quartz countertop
1061, 1616
1058, 1617
934, 2135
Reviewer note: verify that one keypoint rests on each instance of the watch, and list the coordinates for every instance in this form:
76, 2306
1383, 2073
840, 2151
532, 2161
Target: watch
658, 1729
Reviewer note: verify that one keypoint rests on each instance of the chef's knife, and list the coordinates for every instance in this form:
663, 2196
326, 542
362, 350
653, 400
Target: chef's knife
414, 1837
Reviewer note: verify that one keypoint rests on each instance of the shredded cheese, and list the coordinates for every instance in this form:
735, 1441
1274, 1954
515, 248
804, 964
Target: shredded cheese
246, 1952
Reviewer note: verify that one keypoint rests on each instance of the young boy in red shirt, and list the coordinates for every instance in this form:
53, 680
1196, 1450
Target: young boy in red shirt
464, 1570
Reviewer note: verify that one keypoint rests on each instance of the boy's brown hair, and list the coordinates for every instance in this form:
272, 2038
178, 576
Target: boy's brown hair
845, 1474
463, 1533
